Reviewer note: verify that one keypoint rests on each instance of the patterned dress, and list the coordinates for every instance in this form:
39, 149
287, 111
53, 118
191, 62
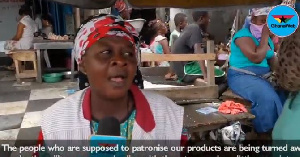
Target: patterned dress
125, 128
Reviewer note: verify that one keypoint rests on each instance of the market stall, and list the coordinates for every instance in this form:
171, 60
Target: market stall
193, 113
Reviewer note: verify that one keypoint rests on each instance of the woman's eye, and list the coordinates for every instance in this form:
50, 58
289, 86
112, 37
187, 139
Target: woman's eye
105, 52
128, 53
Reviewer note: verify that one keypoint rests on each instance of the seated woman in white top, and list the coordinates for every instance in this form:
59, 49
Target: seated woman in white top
24, 35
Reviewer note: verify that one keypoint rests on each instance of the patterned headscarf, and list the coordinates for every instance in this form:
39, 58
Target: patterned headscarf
120, 5
100, 27
290, 3
261, 11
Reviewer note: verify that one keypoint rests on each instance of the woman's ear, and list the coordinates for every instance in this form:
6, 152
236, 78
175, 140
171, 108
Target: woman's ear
82, 66
253, 19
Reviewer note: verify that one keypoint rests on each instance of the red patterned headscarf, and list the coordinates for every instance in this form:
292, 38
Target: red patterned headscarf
100, 27
120, 5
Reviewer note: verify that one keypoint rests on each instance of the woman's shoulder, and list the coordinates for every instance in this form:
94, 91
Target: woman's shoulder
72, 102
26, 19
159, 38
160, 101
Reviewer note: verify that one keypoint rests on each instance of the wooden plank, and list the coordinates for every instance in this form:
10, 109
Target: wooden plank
188, 93
154, 71
53, 45
146, 57
238, 117
210, 64
27, 74
228, 93
24, 51
195, 101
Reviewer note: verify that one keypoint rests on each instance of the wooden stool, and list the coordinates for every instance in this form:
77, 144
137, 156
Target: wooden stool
20, 56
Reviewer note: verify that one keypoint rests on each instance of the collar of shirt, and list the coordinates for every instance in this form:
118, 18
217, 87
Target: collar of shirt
144, 115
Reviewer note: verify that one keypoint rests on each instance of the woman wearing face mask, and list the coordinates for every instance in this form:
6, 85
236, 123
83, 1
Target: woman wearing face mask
252, 59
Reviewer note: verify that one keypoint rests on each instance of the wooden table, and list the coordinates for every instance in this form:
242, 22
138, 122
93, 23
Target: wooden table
198, 122
42, 46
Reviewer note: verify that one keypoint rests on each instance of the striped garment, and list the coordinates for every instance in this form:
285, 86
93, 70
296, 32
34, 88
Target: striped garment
157, 118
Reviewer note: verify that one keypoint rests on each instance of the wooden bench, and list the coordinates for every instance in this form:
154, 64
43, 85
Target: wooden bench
201, 124
207, 91
20, 56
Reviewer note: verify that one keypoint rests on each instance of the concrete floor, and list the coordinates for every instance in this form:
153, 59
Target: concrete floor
21, 107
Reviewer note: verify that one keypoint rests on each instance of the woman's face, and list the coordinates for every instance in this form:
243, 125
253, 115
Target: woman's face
110, 65
259, 20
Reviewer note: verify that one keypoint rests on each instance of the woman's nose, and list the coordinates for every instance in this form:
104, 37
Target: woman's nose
119, 60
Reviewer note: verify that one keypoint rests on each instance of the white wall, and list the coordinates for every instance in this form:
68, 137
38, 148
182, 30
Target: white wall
9, 11
221, 20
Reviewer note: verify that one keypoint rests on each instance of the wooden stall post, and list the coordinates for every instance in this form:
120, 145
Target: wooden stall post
77, 18
210, 64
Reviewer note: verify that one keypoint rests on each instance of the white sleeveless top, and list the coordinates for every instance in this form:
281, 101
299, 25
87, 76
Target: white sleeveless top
30, 28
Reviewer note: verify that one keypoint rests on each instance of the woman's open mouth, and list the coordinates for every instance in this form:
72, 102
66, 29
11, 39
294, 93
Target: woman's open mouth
118, 80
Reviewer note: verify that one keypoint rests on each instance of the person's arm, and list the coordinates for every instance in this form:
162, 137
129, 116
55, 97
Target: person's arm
165, 46
273, 62
255, 54
198, 50
194, 43
20, 31
277, 46
174, 38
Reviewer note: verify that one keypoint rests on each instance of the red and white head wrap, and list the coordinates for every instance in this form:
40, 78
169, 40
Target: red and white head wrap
120, 5
100, 27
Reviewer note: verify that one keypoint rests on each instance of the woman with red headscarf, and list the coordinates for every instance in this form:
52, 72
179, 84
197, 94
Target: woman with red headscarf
105, 49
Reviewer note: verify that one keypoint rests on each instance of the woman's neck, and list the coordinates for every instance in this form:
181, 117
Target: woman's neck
21, 17
118, 108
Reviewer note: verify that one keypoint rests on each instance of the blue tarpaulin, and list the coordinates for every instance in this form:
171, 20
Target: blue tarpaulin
58, 12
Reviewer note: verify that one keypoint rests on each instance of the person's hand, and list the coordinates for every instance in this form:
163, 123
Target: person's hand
266, 30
